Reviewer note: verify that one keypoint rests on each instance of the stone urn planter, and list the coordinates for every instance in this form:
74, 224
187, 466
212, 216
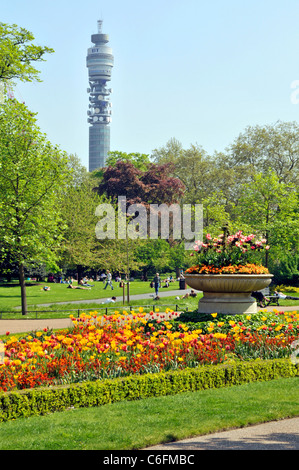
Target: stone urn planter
228, 293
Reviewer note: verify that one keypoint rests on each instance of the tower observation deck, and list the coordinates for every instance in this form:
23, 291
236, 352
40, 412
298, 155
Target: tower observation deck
99, 62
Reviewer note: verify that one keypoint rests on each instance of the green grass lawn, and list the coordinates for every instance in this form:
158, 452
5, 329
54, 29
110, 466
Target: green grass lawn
10, 295
10, 298
138, 424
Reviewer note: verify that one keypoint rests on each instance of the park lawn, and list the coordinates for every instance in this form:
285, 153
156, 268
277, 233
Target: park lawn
65, 310
10, 295
142, 423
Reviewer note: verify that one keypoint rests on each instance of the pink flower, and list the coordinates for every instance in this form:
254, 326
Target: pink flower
267, 247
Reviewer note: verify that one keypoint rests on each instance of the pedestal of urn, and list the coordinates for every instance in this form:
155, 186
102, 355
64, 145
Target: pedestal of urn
229, 294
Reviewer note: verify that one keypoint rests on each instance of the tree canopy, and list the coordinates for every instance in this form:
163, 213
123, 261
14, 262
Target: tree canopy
18, 53
33, 175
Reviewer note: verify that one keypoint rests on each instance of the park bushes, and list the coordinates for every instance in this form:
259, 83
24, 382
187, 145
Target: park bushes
40, 401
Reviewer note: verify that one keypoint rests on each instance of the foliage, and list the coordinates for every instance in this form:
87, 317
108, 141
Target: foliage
33, 176
146, 187
270, 207
17, 52
80, 246
286, 270
139, 160
270, 146
154, 253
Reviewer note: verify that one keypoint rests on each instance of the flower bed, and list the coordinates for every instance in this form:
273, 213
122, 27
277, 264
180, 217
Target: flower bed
121, 345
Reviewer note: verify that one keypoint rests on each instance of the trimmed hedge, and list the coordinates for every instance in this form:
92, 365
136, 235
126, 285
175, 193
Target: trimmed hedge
41, 401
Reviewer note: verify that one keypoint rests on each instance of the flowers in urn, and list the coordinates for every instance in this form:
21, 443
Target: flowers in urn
229, 254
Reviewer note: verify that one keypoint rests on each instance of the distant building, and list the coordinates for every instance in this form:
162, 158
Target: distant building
99, 62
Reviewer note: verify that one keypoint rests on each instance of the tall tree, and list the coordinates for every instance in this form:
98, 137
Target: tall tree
270, 207
147, 187
33, 176
18, 53
273, 147
80, 245
169, 153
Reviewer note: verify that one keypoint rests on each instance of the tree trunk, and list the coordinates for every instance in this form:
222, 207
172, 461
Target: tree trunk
145, 278
267, 254
23, 289
79, 272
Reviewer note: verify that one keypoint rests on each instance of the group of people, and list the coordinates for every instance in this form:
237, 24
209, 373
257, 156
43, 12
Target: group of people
106, 278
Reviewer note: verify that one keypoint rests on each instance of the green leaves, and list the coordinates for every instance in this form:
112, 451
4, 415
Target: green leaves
32, 182
17, 52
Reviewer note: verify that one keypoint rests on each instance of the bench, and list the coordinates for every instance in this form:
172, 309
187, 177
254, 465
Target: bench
273, 299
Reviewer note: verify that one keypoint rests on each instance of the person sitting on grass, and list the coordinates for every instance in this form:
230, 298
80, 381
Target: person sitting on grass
70, 286
85, 284
185, 296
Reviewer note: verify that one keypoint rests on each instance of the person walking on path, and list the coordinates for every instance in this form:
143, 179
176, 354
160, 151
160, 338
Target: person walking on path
157, 283
109, 280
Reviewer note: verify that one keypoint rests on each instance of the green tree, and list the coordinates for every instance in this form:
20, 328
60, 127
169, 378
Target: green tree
139, 160
169, 153
273, 147
33, 175
179, 258
18, 52
80, 248
154, 254
270, 208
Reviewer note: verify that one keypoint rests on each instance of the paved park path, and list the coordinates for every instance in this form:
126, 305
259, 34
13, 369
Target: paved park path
274, 435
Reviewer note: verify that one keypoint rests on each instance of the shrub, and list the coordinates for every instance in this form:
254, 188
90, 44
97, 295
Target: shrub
41, 401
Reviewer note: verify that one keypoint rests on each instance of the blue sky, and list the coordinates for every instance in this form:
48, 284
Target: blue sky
199, 71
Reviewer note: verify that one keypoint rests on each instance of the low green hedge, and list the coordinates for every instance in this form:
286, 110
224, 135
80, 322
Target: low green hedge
41, 401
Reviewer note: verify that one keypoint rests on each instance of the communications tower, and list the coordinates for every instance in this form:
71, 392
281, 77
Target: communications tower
99, 62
